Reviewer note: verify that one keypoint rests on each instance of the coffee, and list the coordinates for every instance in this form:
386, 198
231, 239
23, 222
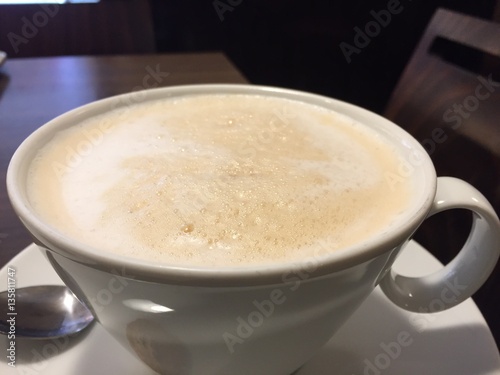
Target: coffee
226, 180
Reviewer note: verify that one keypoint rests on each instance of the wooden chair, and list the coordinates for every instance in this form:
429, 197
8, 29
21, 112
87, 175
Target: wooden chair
105, 27
448, 97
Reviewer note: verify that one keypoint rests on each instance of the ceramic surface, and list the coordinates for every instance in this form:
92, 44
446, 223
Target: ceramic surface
451, 342
259, 319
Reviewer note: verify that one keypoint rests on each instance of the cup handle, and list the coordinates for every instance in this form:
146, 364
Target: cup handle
463, 276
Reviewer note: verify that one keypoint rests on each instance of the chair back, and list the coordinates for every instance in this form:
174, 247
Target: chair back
448, 98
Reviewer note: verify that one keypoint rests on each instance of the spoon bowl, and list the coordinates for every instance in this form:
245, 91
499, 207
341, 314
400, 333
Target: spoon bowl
43, 312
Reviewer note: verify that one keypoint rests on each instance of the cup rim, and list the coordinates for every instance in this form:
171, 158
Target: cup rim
56, 242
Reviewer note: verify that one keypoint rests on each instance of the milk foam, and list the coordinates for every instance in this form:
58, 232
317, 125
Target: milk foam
217, 180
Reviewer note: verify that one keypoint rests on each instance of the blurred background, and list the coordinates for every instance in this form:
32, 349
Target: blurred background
353, 50
287, 43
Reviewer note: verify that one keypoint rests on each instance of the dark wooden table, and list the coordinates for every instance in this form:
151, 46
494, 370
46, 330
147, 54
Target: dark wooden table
33, 91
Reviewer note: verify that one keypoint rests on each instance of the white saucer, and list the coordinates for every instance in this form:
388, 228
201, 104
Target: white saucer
456, 341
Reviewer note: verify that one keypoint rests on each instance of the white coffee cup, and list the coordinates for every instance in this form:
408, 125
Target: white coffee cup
256, 319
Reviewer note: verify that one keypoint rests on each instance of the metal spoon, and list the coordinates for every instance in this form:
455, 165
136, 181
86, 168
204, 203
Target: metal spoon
43, 312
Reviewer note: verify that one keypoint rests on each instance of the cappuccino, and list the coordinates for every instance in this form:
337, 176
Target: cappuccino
218, 180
